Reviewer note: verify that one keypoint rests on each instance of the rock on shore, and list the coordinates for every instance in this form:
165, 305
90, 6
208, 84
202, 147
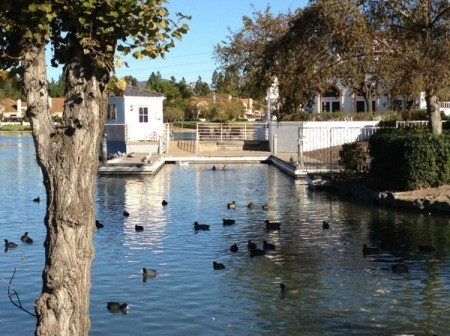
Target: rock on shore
426, 200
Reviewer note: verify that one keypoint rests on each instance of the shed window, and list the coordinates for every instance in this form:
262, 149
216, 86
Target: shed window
143, 114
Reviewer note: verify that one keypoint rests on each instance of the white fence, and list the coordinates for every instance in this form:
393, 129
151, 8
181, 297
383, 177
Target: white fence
317, 144
232, 131
284, 136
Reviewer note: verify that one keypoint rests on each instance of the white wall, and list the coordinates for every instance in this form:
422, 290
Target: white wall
143, 131
318, 134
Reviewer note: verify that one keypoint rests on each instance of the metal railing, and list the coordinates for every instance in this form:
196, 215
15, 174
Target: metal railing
231, 131
318, 149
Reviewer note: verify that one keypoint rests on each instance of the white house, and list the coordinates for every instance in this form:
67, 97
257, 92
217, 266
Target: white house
134, 121
343, 99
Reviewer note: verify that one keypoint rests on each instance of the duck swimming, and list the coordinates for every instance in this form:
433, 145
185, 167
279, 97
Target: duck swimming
164, 202
148, 273
228, 221
115, 307
251, 245
268, 246
256, 252
272, 225
231, 205
98, 225
234, 248
139, 227
265, 206
250, 205
198, 226
26, 239
9, 244
218, 266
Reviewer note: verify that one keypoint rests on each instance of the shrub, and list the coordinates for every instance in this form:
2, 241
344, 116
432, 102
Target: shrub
406, 159
352, 156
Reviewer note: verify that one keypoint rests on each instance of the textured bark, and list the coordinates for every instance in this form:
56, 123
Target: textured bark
68, 157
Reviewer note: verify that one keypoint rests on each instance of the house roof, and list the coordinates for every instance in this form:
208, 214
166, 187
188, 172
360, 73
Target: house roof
132, 91
57, 105
10, 105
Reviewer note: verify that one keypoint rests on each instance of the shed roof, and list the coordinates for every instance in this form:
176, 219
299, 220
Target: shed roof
132, 91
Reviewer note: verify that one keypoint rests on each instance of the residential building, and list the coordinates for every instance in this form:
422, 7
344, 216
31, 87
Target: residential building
12, 110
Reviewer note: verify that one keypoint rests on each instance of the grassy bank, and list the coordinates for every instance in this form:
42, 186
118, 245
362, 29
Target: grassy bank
15, 128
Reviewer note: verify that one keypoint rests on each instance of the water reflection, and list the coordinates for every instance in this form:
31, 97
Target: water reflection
339, 291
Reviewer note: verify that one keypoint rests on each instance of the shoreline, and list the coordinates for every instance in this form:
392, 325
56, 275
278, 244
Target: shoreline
431, 200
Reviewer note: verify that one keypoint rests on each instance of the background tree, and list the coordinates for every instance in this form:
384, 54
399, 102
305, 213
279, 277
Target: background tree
418, 32
226, 110
84, 35
185, 90
10, 86
374, 47
241, 56
222, 83
173, 113
131, 80
201, 88
56, 88
322, 48
167, 87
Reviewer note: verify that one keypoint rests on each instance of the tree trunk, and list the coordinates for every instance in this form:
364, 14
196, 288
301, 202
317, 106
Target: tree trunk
434, 114
68, 157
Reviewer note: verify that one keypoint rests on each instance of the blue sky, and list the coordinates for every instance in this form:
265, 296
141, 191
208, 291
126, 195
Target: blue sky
193, 56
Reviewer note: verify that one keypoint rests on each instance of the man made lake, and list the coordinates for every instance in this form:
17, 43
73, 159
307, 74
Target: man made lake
338, 290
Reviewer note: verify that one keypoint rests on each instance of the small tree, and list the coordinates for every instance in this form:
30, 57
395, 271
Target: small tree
172, 113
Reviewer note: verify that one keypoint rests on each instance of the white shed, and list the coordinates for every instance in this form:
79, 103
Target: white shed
135, 121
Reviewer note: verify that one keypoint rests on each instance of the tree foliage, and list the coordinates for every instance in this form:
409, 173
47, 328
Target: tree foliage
374, 47
418, 58
10, 86
57, 88
201, 88
241, 56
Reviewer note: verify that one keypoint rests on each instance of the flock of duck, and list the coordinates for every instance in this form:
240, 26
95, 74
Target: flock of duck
252, 247
11, 245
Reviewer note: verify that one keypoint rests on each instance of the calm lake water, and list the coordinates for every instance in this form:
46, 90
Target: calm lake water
339, 292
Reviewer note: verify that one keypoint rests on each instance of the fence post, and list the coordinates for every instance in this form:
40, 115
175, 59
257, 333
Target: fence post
300, 164
331, 150
168, 137
197, 139
274, 144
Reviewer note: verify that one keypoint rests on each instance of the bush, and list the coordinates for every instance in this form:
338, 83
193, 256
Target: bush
352, 156
406, 159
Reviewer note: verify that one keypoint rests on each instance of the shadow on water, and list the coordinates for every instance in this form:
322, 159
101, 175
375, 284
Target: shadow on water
338, 291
